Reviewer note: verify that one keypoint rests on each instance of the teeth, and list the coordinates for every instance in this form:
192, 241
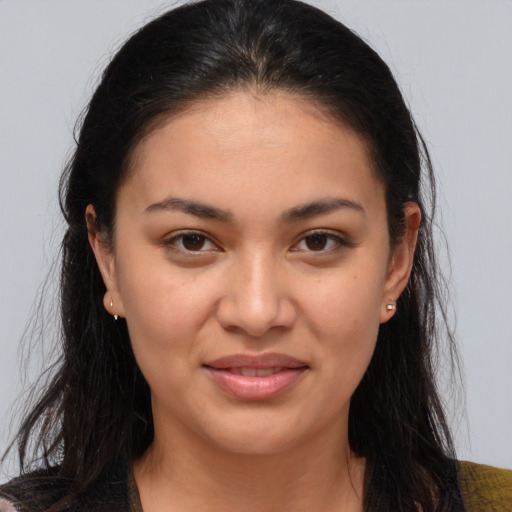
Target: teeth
255, 372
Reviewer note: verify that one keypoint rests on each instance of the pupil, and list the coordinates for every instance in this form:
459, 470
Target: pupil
193, 242
316, 242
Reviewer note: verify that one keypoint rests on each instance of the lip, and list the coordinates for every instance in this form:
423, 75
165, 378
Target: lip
288, 371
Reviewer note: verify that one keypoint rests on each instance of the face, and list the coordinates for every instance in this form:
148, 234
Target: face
252, 263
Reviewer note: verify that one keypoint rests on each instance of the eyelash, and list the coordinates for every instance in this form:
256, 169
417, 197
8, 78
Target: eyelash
172, 242
336, 239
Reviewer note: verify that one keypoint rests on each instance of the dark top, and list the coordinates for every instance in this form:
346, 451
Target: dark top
483, 489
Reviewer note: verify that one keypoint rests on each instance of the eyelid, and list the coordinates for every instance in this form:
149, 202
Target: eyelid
341, 241
336, 236
173, 237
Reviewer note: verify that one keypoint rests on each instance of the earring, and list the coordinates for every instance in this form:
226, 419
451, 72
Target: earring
112, 307
391, 306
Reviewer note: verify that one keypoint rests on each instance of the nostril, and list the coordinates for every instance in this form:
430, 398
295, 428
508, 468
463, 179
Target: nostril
254, 319
255, 301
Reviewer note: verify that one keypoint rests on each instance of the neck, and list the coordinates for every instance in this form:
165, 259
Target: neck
191, 474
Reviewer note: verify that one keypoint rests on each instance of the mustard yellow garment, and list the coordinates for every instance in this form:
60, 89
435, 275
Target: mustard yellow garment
485, 488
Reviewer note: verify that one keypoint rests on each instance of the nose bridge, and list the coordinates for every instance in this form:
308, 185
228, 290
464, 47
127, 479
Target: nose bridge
259, 275
256, 300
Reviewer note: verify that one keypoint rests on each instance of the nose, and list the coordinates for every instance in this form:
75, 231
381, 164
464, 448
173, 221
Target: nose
256, 300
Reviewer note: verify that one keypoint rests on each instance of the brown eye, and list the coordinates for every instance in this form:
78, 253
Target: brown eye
319, 241
316, 242
193, 242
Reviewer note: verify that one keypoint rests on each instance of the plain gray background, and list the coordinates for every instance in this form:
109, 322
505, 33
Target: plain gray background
452, 59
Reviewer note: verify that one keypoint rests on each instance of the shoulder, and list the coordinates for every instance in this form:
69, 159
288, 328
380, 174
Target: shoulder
485, 488
38, 491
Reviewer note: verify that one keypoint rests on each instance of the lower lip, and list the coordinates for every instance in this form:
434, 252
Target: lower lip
256, 388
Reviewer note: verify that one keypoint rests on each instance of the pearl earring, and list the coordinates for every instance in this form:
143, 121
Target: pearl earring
112, 307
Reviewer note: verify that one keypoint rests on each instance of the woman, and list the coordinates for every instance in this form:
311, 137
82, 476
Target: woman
248, 283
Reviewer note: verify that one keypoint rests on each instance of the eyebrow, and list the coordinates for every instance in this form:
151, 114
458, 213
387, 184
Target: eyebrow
195, 208
303, 211
320, 207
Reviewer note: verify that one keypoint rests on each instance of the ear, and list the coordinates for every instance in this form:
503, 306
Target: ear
106, 263
400, 263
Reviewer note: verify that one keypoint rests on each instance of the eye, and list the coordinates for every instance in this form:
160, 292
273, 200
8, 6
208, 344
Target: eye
192, 242
319, 242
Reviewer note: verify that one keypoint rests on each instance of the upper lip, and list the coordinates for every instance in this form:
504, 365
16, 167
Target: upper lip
267, 360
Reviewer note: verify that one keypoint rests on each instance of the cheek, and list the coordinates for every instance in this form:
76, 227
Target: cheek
163, 311
350, 301
344, 314
163, 319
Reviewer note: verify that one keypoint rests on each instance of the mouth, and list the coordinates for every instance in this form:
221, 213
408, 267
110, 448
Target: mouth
261, 377
247, 371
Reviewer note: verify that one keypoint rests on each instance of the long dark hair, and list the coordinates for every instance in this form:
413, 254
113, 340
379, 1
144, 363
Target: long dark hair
97, 407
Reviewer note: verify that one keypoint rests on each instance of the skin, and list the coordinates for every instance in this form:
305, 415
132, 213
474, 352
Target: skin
259, 282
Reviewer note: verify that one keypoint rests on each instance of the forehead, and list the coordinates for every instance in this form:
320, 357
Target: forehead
275, 146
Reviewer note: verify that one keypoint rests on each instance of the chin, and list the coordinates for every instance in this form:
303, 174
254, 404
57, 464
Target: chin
257, 437
256, 445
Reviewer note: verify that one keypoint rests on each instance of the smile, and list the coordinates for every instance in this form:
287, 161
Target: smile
254, 372
248, 377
